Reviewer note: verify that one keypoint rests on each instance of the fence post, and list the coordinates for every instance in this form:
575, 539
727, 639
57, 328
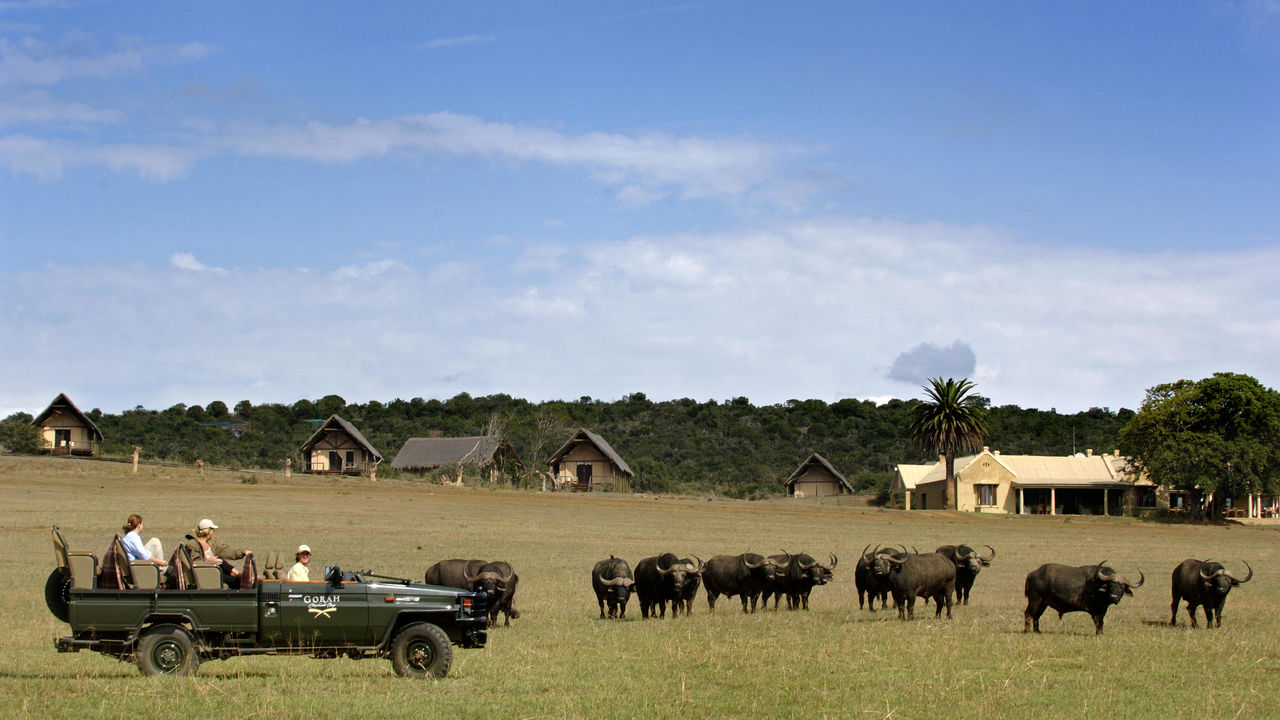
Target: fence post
135, 459
288, 465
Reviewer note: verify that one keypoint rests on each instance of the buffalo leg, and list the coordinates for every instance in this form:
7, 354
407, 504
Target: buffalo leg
1191, 610
1031, 616
711, 601
1173, 608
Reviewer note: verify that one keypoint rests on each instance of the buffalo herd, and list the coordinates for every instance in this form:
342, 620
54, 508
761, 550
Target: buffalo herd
945, 576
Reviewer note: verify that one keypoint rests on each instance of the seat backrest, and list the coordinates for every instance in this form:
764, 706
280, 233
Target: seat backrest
122, 563
112, 577
81, 564
249, 573
176, 575
60, 550
269, 570
146, 574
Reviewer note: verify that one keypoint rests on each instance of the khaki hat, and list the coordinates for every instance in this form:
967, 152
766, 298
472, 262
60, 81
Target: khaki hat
304, 548
206, 524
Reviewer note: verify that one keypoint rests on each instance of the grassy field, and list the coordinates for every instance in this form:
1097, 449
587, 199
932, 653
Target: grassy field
560, 661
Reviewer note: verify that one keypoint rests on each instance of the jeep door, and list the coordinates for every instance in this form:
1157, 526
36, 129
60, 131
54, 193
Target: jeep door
319, 614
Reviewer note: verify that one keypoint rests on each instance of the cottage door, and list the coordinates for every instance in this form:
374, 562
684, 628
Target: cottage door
584, 476
335, 461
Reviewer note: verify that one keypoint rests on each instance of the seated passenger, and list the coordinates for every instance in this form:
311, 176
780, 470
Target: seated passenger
135, 549
299, 572
204, 547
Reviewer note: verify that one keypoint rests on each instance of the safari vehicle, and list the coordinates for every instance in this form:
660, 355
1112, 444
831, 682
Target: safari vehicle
168, 621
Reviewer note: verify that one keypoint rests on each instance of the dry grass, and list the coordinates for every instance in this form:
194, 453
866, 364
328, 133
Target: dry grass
560, 661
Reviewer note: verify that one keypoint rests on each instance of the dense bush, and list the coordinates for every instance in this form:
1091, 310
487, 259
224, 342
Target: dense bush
732, 447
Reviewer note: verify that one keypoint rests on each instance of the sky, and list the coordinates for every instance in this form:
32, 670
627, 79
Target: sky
1066, 202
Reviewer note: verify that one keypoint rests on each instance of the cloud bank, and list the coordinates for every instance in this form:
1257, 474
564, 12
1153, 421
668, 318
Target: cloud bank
819, 309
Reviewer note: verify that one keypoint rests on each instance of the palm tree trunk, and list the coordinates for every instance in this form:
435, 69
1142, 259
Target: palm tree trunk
949, 487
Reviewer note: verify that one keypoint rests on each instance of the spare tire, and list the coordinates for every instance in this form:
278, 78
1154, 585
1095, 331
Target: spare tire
57, 594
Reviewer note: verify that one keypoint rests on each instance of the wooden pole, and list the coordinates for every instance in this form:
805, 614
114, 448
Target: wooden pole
135, 459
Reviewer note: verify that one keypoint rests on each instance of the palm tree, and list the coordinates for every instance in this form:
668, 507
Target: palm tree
950, 421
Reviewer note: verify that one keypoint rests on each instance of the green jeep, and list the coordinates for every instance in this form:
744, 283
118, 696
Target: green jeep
168, 621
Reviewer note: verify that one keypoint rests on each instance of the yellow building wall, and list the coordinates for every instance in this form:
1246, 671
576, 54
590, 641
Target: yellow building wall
986, 471
602, 469
60, 420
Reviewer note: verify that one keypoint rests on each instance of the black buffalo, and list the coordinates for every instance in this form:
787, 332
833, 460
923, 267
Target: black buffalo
869, 583
661, 579
795, 576
968, 564
499, 581
451, 573
612, 581
1088, 588
746, 575
1203, 582
691, 583
912, 575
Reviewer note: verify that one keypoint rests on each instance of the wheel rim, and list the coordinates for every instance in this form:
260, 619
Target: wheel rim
420, 654
168, 656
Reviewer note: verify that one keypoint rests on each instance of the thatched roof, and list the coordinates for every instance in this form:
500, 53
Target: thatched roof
63, 403
584, 435
816, 460
427, 453
336, 423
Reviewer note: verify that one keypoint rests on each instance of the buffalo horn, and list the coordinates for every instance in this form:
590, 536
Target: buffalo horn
1209, 576
864, 550
1237, 580
1098, 572
701, 566
752, 566
834, 561
993, 554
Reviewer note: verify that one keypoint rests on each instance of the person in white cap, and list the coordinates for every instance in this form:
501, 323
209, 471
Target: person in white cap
299, 571
204, 547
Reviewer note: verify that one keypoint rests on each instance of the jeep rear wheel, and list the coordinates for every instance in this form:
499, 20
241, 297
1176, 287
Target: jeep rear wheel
167, 650
421, 650
57, 594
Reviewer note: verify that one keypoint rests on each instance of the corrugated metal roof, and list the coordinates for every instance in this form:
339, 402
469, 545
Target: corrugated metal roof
427, 453
909, 475
1044, 470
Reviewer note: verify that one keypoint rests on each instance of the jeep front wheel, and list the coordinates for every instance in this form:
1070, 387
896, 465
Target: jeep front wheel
421, 650
167, 650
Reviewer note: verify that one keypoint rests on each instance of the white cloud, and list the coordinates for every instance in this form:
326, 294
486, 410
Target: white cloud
31, 62
818, 309
456, 41
39, 108
644, 167
188, 261
48, 159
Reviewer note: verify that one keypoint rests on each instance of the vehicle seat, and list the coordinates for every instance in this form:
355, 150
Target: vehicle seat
178, 575
81, 564
116, 573
146, 574
249, 573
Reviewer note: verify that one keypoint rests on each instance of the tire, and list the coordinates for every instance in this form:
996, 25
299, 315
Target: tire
57, 594
167, 650
421, 650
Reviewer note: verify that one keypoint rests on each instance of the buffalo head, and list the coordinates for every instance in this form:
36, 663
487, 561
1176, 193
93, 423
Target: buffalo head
1112, 585
1220, 580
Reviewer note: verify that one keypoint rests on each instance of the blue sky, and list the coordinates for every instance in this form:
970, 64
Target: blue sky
1067, 202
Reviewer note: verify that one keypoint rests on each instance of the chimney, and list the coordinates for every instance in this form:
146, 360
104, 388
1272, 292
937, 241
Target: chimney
1088, 453
996, 453
986, 449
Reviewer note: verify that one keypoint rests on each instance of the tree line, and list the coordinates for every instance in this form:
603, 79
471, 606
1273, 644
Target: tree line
728, 447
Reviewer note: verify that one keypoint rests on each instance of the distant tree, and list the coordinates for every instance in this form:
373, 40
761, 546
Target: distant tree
949, 421
1219, 435
217, 410
18, 435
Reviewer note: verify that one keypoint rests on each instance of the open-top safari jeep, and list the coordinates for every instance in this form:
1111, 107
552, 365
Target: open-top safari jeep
168, 621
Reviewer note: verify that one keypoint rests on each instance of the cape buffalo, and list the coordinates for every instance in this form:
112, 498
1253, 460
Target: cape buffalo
1203, 582
913, 575
499, 581
968, 564
451, 573
612, 581
661, 579
873, 585
797, 578
744, 575
691, 582
1088, 588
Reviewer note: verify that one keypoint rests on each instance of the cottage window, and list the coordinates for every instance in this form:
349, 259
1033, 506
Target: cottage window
1146, 496
985, 495
351, 457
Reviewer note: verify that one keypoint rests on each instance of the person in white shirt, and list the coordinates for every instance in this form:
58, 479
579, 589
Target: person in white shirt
135, 549
299, 571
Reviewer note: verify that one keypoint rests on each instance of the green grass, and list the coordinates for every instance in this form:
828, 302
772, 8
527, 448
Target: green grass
560, 661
